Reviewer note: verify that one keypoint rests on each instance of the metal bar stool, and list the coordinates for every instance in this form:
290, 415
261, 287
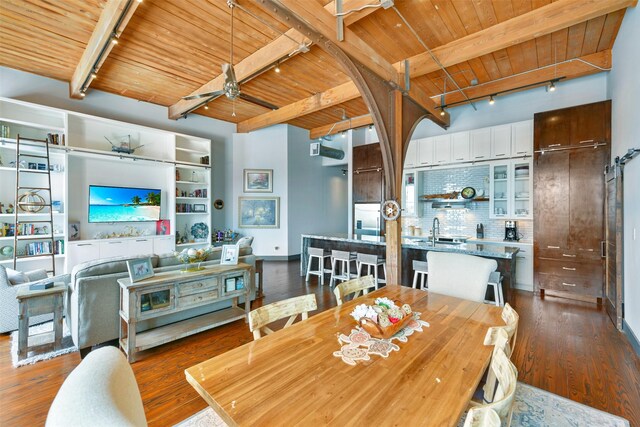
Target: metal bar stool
372, 262
341, 266
420, 272
321, 255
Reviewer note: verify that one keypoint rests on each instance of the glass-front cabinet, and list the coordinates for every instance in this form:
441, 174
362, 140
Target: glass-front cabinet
511, 189
409, 196
522, 189
499, 188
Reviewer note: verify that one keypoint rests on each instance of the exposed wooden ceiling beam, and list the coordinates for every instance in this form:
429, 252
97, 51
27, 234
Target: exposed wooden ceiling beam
338, 127
541, 21
114, 18
334, 96
264, 57
324, 22
569, 70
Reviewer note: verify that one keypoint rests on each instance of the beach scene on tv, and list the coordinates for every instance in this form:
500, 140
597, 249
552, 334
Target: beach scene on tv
121, 204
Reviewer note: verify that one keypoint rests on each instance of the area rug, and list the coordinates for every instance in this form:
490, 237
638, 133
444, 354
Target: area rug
33, 357
533, 407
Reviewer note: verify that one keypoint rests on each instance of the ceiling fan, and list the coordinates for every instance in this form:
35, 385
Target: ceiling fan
231, 86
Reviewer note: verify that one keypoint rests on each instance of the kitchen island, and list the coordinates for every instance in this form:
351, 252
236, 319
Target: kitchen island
413, 248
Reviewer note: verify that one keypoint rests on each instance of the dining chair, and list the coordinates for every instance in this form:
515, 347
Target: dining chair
262, 316
482, 417
354, 286
497, 337
459, 275
511, 318
507, 378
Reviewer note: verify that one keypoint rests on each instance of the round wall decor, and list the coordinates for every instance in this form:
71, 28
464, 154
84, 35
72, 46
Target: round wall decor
390, 210
218, 204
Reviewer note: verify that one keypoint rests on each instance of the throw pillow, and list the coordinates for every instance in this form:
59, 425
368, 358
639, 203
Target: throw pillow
246, 241
16, 277
34, 275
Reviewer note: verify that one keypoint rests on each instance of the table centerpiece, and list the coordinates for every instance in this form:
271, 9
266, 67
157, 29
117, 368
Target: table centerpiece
384, 318
191, 258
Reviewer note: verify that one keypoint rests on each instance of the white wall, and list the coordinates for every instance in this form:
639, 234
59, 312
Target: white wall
313, 198
317, 194
45, 91
520, 106
624, 90
263, 149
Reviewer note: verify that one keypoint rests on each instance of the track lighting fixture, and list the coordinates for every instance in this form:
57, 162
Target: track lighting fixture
83, 94
344, 134
442, 111
114, 38
206, 107
491, 100
370, 128
552, 87
277, 69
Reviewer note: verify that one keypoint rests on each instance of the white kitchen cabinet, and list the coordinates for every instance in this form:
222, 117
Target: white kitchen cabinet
411, 159
460, 150
442, 149
511, 189
425, 151
524, 267
409, 194
480, 144
522, 138
501, 142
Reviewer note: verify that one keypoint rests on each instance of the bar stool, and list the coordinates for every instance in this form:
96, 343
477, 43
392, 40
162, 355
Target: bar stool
495, 281
321, 255
341, 266
420, 271
372, 262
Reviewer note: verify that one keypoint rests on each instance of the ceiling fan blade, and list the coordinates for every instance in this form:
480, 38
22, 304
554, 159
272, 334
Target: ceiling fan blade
229, 74
214, 94
257, 101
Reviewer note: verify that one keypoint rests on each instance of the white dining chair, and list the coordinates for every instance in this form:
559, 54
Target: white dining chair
482, 417
507, 377
459, 275
354, 287
262, 316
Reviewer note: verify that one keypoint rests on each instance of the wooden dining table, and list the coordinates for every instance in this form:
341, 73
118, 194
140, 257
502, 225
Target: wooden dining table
291, 377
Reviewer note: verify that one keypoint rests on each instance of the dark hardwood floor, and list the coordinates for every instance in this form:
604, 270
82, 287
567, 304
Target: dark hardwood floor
569, 348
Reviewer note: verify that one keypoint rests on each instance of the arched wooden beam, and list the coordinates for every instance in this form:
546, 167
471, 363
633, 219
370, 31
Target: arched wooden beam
395, 116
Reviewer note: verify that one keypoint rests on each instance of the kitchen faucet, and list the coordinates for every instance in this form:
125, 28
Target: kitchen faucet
435, 230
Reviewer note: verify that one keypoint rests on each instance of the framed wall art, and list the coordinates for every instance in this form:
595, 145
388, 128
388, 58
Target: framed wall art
258, 180
259, 212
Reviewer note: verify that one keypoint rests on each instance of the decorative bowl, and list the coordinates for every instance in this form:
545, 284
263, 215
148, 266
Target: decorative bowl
378, 331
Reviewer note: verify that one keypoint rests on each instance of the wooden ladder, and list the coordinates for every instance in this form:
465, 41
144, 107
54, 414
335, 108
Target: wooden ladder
30, 207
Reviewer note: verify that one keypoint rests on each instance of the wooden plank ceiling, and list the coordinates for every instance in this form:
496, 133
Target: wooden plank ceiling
170, 48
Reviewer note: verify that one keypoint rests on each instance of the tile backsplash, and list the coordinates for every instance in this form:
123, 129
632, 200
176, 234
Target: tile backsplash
460, 221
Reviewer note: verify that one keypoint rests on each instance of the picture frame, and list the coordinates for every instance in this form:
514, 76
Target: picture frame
258, 180
259, 212
229, 255
139, 269
199, 207
74, 230
163, 227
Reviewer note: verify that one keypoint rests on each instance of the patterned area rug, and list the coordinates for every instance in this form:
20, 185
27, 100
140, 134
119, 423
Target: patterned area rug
33, 357
533, 408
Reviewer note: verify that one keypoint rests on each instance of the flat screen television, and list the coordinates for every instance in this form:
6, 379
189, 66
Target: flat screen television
123, 204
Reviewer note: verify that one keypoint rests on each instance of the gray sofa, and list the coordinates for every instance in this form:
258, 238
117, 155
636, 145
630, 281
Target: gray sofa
93, 298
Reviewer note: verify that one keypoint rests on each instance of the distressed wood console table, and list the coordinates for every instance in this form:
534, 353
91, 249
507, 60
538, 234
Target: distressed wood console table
172, 292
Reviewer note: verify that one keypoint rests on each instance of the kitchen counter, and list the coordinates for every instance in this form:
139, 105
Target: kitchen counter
414, 249
478, 247
501, 242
